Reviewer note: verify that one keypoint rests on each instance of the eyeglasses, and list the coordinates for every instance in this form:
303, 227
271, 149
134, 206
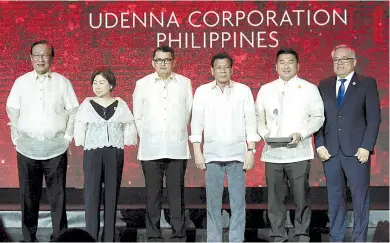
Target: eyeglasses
342, 60
165, 61
38, 57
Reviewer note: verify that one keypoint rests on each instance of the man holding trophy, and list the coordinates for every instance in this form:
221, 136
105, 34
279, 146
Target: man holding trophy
288, 110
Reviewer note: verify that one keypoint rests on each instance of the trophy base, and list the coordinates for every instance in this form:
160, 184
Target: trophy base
278, 140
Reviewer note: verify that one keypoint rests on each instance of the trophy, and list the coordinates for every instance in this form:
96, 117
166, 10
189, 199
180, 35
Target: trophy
273, 138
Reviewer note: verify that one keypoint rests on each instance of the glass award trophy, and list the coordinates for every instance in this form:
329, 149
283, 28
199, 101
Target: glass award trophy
274, 138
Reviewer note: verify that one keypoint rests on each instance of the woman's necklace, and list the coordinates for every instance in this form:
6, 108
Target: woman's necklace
104, 112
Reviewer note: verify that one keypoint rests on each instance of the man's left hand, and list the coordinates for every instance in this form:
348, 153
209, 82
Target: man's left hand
362, 155
249, 161
296, 138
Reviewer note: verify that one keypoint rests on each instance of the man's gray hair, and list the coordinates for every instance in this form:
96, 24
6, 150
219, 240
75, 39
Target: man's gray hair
349, 48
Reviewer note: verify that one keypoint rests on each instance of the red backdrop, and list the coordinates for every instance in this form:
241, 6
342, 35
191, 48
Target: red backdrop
80, 47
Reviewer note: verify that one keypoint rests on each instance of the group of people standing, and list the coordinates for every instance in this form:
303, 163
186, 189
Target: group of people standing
343, 113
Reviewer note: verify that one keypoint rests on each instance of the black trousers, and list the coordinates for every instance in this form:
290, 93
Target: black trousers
31, 173
174, 171
102, 166
297, 174
339, 170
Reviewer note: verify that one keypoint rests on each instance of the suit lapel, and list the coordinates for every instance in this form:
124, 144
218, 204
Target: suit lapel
351, 90
331, 90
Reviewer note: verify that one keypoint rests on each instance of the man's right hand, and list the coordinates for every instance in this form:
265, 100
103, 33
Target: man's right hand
323, 153
200, 161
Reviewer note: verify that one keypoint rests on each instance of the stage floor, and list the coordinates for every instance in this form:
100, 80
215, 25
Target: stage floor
131, 214
130, 225
195, 235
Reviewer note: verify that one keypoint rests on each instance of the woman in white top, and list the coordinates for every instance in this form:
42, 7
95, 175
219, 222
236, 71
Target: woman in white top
104, 124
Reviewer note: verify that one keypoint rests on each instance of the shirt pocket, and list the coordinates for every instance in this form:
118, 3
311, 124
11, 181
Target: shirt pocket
177, 99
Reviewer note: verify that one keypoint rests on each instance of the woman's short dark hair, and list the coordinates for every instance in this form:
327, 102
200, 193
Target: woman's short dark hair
106, 73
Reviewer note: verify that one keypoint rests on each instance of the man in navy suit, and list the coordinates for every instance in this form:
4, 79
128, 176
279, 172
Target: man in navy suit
345, 142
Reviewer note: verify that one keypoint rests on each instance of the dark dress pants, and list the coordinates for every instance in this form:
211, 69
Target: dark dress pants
31, 173
339, 170
102, 166
297, 174
174, 171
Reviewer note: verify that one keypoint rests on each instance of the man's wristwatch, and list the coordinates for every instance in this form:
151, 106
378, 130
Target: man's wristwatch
252, 150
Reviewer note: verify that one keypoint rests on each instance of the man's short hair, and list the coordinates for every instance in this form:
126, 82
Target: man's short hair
42, 42
222, 55
349, 48
164, 49
287, 51
106, 73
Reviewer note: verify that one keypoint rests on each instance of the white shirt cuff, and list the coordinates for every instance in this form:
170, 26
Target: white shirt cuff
252, 138
319, 148
196, 138
69, 138
304, 134
264, 133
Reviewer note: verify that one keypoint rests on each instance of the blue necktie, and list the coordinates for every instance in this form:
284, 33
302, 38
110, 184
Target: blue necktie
341, 92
